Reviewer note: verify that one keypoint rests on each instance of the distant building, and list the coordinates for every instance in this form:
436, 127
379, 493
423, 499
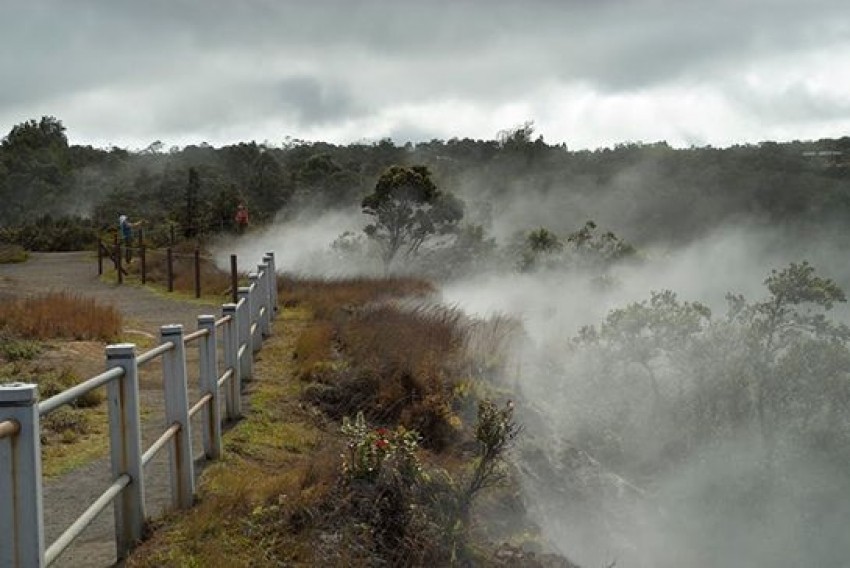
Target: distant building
828, 158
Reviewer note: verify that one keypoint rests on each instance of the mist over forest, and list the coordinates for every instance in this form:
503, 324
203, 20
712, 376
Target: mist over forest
674, 319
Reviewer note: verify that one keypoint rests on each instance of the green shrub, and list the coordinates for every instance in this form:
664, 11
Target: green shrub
52, 234
10, 254
65, 419
13, 349
52, 383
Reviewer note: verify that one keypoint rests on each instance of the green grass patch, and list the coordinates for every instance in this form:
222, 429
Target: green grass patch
11, 254
72, 438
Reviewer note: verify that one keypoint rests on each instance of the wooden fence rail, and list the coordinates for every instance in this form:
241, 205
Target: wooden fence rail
238, 332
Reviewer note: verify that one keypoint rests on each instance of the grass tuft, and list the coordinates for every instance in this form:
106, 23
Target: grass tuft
60, 315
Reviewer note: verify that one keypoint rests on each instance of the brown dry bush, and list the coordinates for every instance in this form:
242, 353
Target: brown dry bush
60, 315
491, 344
314, 352
327, 297
402, 368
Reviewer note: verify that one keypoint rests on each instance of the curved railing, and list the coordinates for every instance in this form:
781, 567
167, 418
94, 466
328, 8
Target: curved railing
233, 337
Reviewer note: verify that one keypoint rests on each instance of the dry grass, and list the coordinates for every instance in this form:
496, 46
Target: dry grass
60, 315
277, 498
277, 464
327, 297
401, 367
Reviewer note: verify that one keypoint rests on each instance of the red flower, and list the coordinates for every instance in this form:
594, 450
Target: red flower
381, 443
382, 432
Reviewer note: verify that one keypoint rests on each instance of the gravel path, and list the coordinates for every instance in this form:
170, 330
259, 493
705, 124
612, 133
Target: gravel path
66, 497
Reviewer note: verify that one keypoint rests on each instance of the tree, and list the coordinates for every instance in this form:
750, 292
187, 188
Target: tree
644, 332
35, 170
777, 327
408, 211
586, 248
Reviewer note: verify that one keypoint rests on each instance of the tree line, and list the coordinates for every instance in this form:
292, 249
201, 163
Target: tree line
650, 192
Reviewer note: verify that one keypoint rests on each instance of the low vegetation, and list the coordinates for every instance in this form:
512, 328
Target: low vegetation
12, 253
364, 444
29, 329
60, 315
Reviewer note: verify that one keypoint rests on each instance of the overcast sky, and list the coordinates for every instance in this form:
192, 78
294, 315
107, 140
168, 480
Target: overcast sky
589, 73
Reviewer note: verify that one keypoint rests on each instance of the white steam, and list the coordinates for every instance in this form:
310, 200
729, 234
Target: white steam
302, 245
711, 509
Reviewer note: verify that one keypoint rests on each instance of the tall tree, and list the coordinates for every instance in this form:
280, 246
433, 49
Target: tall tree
408, 210
36, 169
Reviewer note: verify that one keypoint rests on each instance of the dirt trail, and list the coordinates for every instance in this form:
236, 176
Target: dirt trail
66, 497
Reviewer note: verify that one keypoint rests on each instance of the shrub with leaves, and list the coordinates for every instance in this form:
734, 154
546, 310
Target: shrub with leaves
372, 451
14, 349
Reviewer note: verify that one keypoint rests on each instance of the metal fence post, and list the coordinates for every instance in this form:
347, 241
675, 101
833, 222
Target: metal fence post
125, 441
230, 342
209, 385
21, 506
177, 412
246, 362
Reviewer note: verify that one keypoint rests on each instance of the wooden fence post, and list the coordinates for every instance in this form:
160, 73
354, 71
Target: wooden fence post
170, 266
230, 342
209, 385
197, 272
143, 259
125, 442
21, 507
177, 412
118, 268
234, 279
99, 257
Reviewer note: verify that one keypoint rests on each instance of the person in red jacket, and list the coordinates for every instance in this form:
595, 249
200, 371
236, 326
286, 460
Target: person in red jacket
241, 218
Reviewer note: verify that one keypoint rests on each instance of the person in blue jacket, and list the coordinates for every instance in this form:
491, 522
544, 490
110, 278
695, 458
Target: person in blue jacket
126, 229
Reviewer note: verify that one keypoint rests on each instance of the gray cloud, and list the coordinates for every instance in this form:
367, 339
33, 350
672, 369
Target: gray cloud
383, 66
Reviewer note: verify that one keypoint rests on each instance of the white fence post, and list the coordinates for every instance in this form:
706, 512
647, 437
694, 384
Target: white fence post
21, 516
265, 298
230, 343
256, 304
246, 316
209, 385
125, 442
269, 259
177, 412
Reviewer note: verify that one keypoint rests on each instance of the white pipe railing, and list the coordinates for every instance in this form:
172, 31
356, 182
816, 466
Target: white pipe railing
243, 326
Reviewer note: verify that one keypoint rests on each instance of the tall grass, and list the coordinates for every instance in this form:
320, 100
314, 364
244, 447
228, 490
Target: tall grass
60, 315
326, 297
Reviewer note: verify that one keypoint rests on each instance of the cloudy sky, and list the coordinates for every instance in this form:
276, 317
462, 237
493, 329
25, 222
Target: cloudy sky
589, 73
